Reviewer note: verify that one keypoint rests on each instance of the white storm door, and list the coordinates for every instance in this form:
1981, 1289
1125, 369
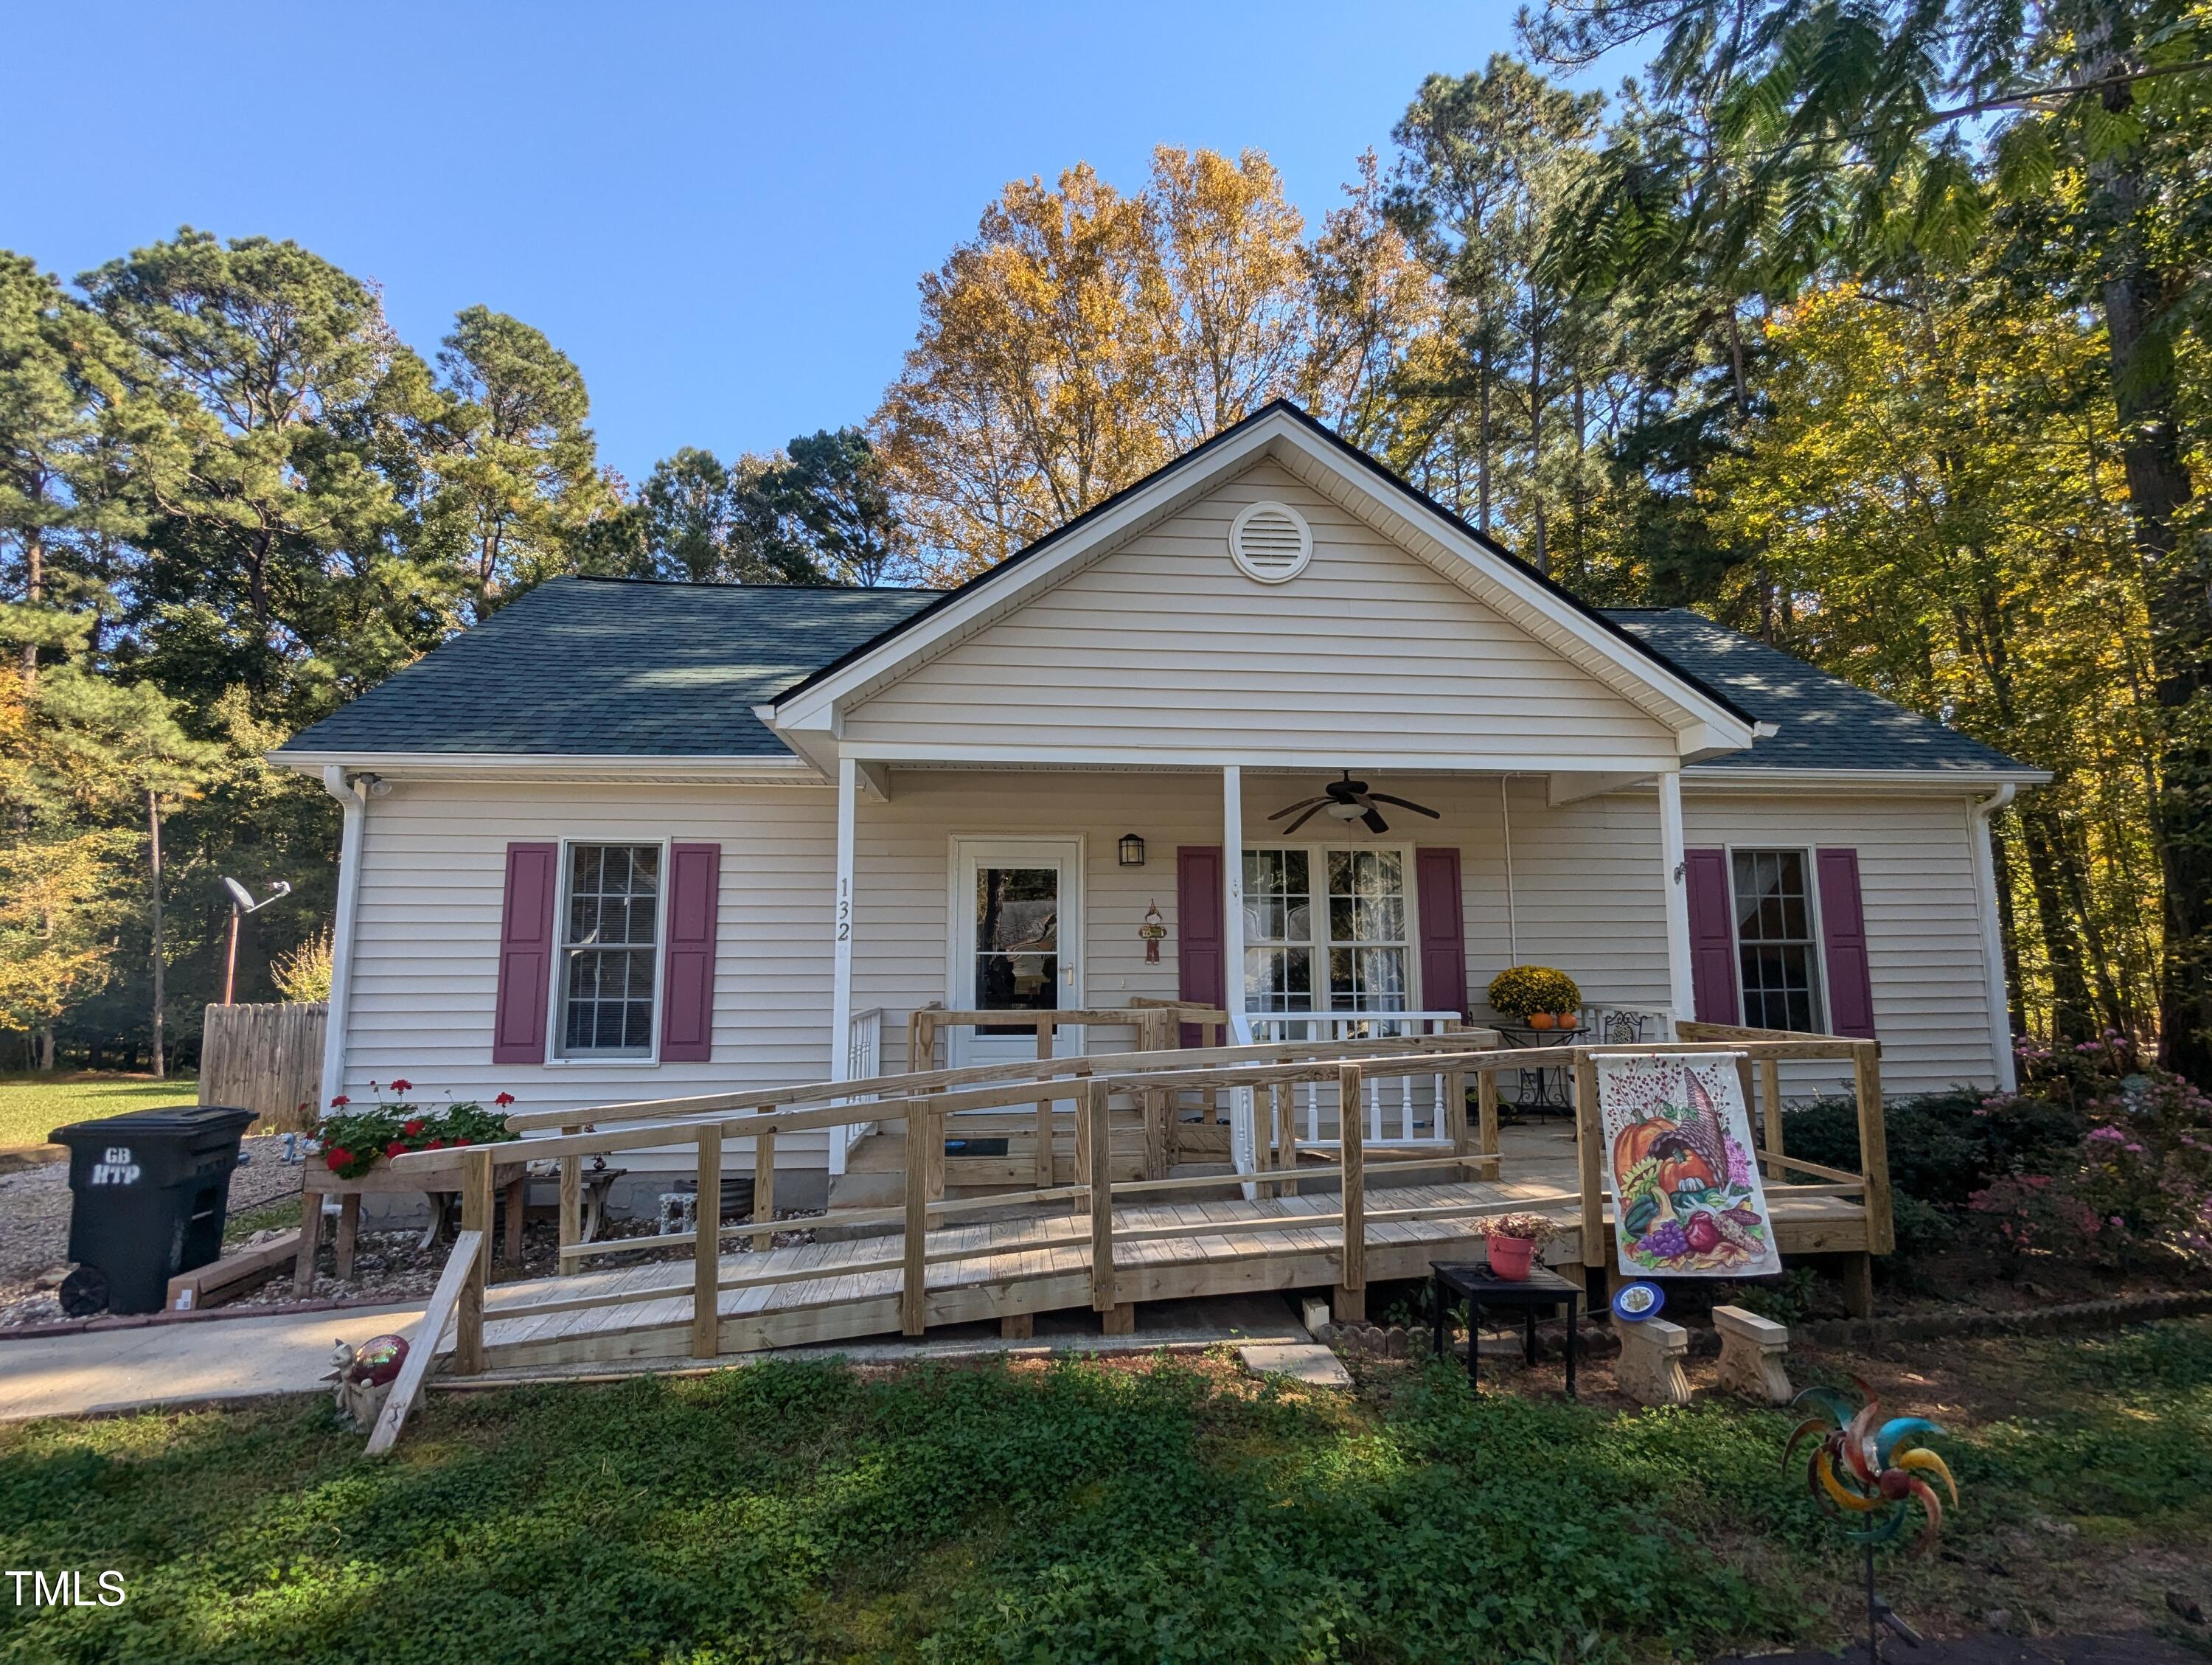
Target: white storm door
1016, 930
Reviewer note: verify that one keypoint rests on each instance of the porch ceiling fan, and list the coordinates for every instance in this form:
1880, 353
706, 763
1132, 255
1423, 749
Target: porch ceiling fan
1348, 799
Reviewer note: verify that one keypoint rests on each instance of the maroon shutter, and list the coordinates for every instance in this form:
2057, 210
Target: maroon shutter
525, 954
687, 999
1199, 945
1443, 930
1844, 945
1712, 936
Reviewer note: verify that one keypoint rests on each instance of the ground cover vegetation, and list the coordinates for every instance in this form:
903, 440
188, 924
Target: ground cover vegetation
1876, 330
1080, 1512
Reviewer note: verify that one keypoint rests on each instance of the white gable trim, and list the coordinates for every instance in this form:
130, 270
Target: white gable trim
1702, 725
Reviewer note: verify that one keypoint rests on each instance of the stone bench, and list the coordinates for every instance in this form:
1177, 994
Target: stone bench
1651, 1367
1752, 1350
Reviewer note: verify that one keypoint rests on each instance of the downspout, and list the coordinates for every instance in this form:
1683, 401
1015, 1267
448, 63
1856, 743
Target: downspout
1980, 840
353, 796
1512, 910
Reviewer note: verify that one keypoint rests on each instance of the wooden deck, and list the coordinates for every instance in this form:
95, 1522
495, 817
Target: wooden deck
1041, 1263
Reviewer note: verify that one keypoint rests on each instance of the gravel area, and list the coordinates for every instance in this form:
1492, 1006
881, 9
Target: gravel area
34, 1215
34, 1211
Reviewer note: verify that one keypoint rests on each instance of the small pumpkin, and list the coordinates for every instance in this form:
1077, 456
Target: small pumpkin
1685, 1170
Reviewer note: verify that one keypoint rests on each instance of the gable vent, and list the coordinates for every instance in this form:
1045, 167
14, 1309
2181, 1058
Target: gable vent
1271, 542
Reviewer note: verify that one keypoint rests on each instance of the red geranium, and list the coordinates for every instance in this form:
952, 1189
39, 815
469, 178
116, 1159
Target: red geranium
504, 1100
460, 1141
340, 1102
398, 1085
337, 1158
435, 1145
398, 1147
413, 1128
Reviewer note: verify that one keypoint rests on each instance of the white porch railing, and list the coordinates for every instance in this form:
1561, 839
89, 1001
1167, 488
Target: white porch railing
864, 1054
1409, 1113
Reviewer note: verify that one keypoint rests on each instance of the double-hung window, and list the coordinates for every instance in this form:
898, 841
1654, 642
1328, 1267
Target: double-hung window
1342, 949
610, 950
1778, 940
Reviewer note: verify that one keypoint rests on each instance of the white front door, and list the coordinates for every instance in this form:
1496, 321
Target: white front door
1016, 930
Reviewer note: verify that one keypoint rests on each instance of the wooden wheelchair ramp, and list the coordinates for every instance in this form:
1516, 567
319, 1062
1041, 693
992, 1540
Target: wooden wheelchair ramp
1332, 1203
1037, 1263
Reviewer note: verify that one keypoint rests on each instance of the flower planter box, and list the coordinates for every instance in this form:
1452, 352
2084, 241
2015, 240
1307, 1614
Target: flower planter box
441, 1181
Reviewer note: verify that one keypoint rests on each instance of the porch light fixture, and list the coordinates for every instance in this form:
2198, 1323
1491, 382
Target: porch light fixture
1133, 850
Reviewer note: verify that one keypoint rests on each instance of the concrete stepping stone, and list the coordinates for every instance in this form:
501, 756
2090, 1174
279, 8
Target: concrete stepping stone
1304, 1362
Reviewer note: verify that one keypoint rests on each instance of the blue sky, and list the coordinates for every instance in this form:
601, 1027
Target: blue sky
720, 213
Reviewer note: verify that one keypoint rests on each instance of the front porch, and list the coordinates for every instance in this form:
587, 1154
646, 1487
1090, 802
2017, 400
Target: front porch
1074, 891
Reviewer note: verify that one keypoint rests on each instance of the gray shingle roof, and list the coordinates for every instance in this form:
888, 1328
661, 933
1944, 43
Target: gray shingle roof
601, 668
1824, 722
583, 666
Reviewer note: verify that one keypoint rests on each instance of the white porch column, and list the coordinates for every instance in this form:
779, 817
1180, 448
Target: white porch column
841, 961
355, 803
840, 985
1232, 885
1682, 996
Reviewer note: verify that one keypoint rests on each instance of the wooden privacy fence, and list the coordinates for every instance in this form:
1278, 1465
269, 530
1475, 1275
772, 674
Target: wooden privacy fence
265, 1058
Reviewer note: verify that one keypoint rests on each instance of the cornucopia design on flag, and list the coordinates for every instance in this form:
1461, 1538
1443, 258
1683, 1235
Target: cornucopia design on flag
1685, 1190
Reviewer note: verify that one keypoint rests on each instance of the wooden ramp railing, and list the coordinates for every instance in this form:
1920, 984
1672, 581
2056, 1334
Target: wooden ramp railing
924, 1229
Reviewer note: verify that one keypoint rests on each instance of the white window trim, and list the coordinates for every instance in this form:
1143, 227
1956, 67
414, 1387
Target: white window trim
557, 996
1810, 855
1317, 856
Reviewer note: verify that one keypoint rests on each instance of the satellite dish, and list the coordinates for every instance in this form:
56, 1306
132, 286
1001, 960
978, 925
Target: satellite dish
240, 898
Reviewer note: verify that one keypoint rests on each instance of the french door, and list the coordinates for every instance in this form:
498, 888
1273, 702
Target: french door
1016, 936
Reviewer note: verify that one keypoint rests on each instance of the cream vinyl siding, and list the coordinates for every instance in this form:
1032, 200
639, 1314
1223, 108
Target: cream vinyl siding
426, 946
1163, 646
1587, 875
1587, 887
1922, 919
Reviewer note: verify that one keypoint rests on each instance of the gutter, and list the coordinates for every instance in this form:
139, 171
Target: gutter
352, 794
1981, 848
783, 768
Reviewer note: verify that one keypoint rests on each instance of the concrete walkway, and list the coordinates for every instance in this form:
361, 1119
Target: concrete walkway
172, 1364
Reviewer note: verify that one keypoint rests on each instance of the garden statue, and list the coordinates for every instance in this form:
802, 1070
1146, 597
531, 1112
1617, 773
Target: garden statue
363, 1376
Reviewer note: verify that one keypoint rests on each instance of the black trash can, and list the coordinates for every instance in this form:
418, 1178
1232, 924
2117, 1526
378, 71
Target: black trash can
151, 1189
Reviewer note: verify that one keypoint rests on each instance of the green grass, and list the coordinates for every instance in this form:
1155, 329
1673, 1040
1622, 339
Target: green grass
32, 1106
1077, 1512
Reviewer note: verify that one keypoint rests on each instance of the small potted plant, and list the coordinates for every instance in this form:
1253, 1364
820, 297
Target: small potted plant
1514, 1241
1534, 996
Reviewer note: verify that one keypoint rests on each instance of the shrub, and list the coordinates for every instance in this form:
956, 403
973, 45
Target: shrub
1942, 1147
1524, 989
305, 973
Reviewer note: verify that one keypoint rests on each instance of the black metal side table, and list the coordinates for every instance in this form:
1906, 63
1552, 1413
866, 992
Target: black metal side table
1480, 1287
1541, 1086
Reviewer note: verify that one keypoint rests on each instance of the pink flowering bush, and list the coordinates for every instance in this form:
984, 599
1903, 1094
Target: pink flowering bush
2137, 1191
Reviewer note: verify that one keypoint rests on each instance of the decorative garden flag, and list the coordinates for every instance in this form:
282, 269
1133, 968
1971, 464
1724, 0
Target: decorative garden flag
1687, 1199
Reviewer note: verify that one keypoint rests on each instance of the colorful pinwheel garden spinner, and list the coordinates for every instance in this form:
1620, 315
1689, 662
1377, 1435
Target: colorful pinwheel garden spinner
1871, 1475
